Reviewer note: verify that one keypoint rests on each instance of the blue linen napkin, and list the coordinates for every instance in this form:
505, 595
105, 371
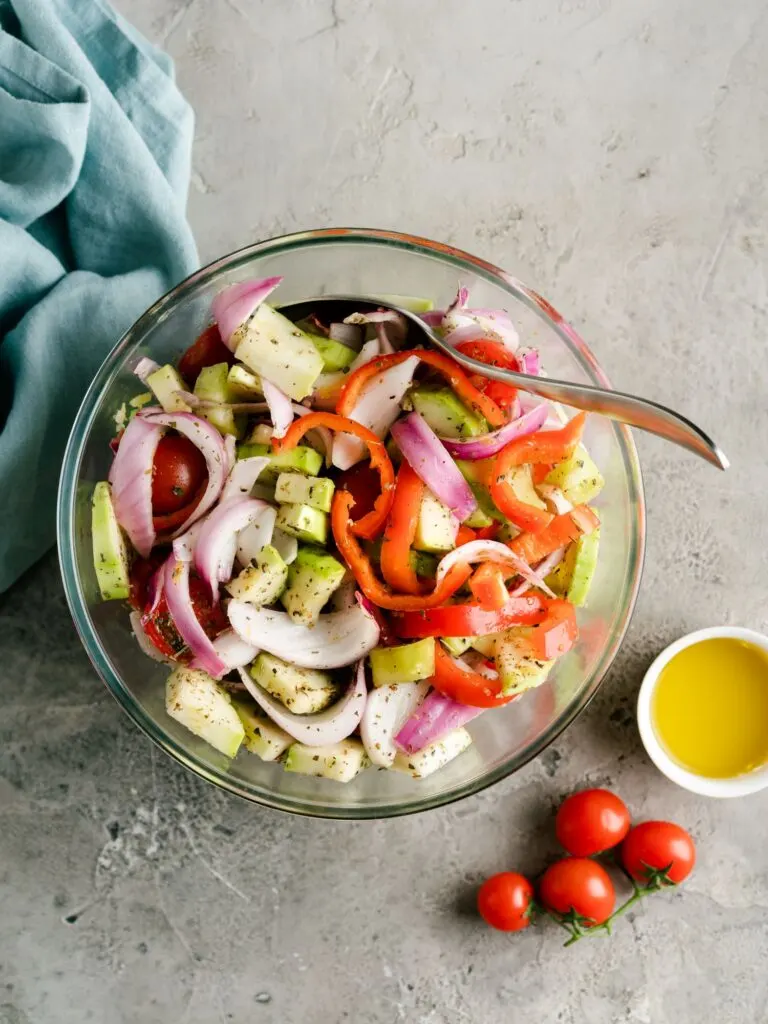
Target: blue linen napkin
95, 144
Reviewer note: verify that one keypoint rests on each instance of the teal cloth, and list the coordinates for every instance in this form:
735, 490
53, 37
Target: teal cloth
95, 144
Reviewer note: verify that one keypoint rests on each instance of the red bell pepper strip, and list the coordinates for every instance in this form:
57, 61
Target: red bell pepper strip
488, 586
400, 532
557, 633
470, 619
360, 565
561, 531
459, 381
371, 524
494, 354
465, 686
465, 535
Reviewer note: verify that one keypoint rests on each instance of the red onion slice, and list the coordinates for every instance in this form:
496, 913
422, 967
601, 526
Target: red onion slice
280, 409
131, 480
214, 451
432, 720
144, 642
329, 726
242, 477
377, 408
489, 551
183, 614
349, 334
391, 327
337, 639
217, 541
489, 444
256, 535
235, 304
530, 363
233, 651
543, 569
433, 317
554, 498
387, 710
430, 461
184, 546
144, 367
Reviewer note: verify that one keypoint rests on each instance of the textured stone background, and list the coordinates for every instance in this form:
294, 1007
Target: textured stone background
613, 155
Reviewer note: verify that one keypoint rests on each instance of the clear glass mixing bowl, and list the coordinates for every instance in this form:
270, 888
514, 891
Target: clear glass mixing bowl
364, 262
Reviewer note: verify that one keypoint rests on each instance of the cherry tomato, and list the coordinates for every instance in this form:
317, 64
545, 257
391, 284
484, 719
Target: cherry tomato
142, 570
177, 473
504, 901
581, 886
161, 629
591, 821
658, 846
364, 484
207, 350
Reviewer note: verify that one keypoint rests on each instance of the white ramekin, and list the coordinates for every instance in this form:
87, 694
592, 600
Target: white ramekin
739, 785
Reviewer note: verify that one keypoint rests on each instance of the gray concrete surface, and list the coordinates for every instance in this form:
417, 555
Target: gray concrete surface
614, 156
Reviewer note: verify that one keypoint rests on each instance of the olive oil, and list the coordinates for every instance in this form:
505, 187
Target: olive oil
710, 708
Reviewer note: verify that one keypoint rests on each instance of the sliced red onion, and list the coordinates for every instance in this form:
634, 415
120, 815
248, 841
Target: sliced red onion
555, 498
205, 437
155, 590
131, 480
144, 367
391, 327
280, 410
477, 662
430, 461
432, 720
230, 450
256, 535
242, 477
489, 444
489, 551
195, 402
462, 297
433, 317
184, 546
328, 385
332, 725
237, 303
556, 416
233, 651
144, 642
387, 710
543, 569
183, 614
530, 363
462, 324
377, 408
217, 541
338, 638
285, 545
348, 333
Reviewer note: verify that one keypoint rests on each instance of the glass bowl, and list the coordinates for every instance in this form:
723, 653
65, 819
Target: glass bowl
364, 262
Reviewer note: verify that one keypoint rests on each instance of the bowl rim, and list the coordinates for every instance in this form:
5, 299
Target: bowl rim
739, 785
465, 262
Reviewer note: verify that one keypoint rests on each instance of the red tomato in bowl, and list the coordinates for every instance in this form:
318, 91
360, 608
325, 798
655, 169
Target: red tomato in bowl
178, 471
207, 350
161, 629
591, 821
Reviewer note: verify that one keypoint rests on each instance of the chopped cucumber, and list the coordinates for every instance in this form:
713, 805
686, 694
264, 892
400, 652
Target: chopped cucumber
243, 383
486, 645
573, 577
110, 554
303, 690
476, 475
435, 756
295, 489
518, 669
274, 347
336, 355
405, 663
479, 519
340, 762
262, 736
437, 526
139, 401
301, 459
457, 645
212, 384
312, 578
446, 414
521, 481
422, 563
165, 382
303, 522
261, 434
577, 477
263, 582
197, 701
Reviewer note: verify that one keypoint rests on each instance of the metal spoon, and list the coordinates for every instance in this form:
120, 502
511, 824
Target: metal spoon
637, 412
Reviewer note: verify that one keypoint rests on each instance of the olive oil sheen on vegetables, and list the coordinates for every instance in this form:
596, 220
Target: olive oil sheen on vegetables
710, 708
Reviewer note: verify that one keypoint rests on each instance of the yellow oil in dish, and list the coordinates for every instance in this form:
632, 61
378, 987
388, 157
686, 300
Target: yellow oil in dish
710, 707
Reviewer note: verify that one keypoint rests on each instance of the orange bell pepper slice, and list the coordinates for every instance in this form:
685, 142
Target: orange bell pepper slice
558, 632
465, 535
488, 586
400, 532
360, 565
371, 524
466, 687
561, 531
459, 381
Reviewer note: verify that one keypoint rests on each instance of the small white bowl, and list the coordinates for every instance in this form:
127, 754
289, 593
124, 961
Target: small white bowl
739, 785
